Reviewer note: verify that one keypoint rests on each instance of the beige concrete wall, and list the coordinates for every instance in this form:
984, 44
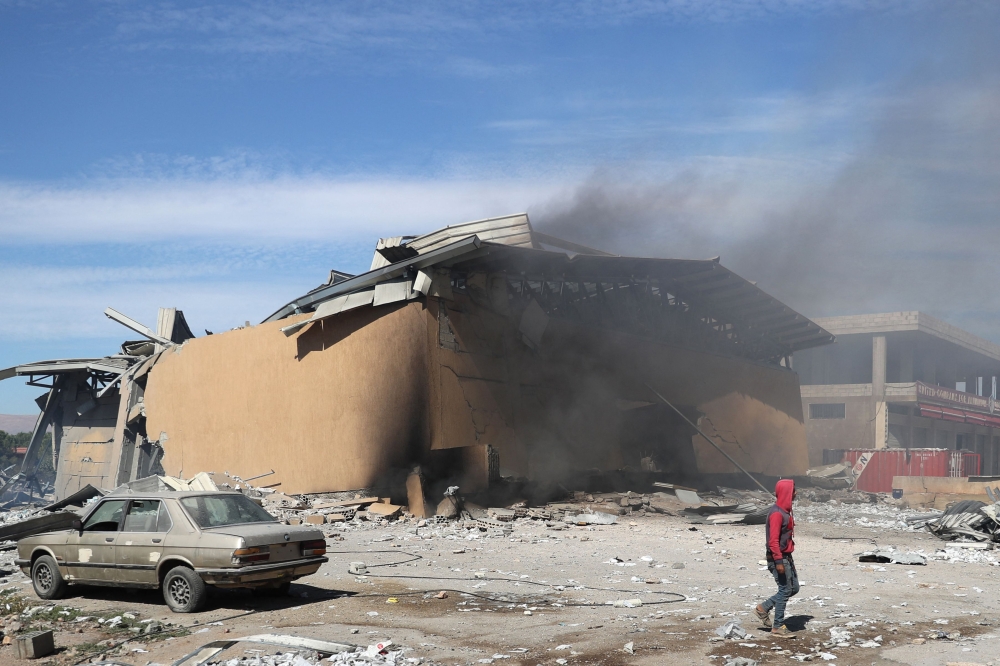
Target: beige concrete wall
855, 431
339, 405
331, 408
937, 492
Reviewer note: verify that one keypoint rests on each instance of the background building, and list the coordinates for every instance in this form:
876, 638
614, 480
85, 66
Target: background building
901, 379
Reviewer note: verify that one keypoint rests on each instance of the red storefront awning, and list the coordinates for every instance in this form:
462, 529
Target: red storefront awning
959, 415
938, 412
975, 419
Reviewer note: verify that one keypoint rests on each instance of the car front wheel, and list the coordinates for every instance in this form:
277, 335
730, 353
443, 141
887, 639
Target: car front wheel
184, 590
46, 579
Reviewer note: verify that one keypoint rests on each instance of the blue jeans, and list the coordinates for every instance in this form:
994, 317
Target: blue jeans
788, 586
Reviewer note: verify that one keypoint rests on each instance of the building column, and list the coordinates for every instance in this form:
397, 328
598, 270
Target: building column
881, 438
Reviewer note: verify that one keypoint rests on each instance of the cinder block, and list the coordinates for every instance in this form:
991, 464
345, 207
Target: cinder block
35, 645
315, 520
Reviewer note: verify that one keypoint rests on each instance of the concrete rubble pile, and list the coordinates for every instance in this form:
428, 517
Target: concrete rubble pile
868, 510
368, 510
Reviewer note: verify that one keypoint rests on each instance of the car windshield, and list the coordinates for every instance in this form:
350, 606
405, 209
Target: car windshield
220, 510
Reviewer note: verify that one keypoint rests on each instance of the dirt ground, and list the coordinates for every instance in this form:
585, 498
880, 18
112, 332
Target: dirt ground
540, 596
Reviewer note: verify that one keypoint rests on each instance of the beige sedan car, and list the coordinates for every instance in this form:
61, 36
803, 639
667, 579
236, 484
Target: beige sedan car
180, 542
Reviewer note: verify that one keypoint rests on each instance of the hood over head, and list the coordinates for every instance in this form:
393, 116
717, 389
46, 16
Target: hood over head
783, 490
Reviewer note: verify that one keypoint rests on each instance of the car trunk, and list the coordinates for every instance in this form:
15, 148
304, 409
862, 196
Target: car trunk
283, 541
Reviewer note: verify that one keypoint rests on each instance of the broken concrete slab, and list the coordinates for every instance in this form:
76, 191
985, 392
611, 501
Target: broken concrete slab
384, 510
448, 508
688, 496
415, 502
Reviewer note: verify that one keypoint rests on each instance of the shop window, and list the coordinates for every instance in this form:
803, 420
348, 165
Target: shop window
902, 410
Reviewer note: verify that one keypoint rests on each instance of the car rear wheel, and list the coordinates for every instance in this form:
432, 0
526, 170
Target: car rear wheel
46, 579
184, 590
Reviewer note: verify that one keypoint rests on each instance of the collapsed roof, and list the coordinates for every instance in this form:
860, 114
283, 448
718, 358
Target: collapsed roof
680, 301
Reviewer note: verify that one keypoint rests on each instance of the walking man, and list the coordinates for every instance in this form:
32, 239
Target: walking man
778, 532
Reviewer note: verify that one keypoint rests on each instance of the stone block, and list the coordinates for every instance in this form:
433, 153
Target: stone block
35, 645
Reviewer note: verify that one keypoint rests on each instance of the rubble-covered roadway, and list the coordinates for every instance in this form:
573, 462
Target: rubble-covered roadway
537, 591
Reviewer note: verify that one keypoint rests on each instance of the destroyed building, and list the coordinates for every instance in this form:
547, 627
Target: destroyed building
478, 350
902, 380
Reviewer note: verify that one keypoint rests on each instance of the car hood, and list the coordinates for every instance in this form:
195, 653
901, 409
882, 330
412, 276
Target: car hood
262, 534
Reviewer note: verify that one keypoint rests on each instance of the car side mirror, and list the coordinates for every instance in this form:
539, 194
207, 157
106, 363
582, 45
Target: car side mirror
78, 526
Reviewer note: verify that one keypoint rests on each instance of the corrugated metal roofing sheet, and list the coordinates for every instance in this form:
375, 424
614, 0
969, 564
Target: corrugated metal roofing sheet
714, 291
512, 230
110, 365
705, 284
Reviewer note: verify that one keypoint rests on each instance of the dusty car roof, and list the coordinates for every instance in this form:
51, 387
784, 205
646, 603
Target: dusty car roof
168, 494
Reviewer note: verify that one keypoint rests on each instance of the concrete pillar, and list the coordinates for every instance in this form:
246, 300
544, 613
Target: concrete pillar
878, 393
878, 367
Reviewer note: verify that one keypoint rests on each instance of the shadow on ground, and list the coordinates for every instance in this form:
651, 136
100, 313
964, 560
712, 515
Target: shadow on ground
239, 599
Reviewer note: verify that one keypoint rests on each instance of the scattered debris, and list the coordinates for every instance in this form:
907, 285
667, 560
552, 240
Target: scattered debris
732, 630
592, 519
741, 661
831, 477
209, 651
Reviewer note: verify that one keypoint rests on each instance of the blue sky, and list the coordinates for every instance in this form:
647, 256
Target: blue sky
221, 158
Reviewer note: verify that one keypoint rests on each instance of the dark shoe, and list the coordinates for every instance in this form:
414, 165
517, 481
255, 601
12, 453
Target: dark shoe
763, 616
782, 632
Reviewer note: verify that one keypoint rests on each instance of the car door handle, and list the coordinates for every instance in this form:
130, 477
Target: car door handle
157, 540
109, 539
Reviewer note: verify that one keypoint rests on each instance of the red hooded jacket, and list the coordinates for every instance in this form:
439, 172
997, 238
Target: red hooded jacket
780, 526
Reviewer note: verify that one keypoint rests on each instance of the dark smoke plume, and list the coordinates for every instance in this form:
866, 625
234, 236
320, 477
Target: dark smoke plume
910, 222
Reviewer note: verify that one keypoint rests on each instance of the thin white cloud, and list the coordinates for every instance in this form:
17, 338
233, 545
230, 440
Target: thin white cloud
284, 207
322, 29
59, 303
